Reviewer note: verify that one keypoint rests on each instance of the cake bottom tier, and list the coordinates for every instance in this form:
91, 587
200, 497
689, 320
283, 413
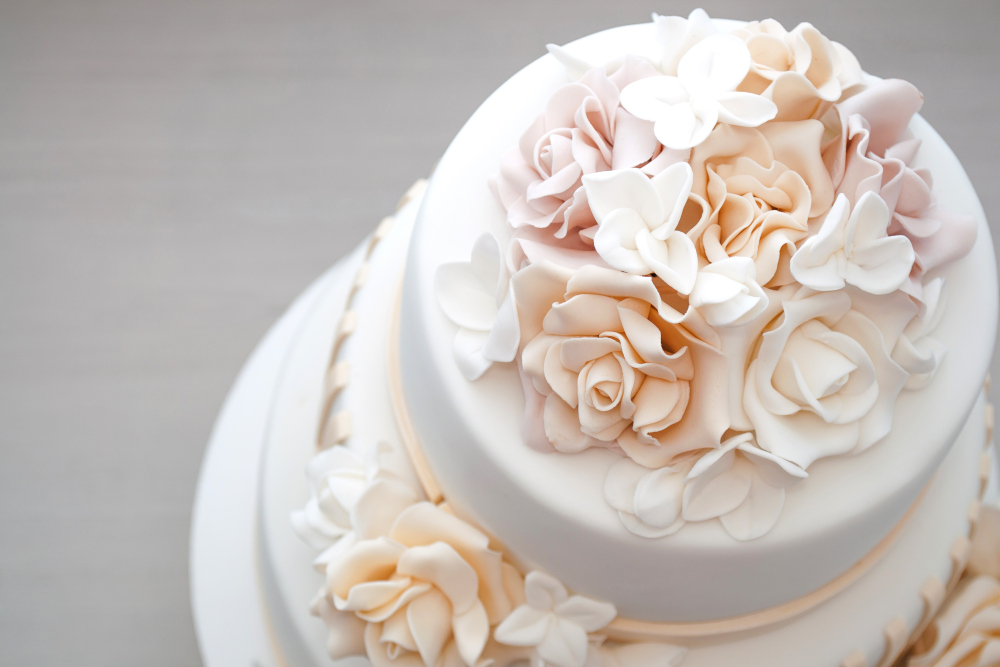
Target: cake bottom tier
344, 342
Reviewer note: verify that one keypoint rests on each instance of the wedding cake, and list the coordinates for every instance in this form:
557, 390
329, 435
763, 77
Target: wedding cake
678, 359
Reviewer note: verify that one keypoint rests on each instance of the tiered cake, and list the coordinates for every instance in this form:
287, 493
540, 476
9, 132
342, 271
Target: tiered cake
678, 359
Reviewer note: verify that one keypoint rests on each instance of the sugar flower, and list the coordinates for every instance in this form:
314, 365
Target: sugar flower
685, 108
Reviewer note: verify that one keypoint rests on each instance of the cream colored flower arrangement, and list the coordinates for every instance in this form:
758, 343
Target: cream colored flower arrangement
726, 277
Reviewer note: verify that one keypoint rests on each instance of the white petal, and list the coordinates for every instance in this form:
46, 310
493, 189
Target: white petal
591, 615
463, 297
649, 98
686, 125
758, 513
525, 626
745, 109
505, 336
674, 185
467, 349
608, 191
718, 64
615, 241
565, 645
429, 618
621, 482
543, 590
658, 498
712, 495
675, 260
635, 526
774, 470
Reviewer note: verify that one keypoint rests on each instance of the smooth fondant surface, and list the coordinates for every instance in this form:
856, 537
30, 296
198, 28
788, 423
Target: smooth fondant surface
853, 620
549, 509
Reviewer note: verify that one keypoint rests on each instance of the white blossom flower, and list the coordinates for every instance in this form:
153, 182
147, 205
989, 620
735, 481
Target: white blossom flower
853, 247
726, 292
554, 622
677, 35
476, 296
685, 108
742, 485
916, 351
637, 220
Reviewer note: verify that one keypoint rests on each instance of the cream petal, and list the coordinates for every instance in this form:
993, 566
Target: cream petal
368, 560
757, 514
472, 631
657, 400
345, 631
562, 427
377, 653
526, 626
442, 566
563, 380
372, 595
583, 315
379, 506
429, 619
396, 630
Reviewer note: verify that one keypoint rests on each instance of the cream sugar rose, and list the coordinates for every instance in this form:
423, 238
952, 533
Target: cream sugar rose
723, 263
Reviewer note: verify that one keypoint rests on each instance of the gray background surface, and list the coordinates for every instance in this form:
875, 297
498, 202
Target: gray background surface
172, 174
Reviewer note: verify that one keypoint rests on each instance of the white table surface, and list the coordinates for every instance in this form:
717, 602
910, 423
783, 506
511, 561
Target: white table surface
172, 174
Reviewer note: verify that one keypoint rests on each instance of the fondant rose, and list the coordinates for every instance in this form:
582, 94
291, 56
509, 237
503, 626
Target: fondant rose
853, 247
966, 632
475, 295
873, 154
615, 363
801, 70
822, 381
762, 187
685, 108
676, 35
637, 223
428, 590
554, 623
582, 131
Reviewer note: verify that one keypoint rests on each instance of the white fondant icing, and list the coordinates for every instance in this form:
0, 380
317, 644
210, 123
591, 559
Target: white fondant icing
536, 495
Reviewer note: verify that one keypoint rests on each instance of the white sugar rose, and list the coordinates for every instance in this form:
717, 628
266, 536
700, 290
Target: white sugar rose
822, 382
429, 591
800, 70
854, 247
637, 223
616, 364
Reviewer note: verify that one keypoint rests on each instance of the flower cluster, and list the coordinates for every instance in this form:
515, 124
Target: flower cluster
717, 267
410, 584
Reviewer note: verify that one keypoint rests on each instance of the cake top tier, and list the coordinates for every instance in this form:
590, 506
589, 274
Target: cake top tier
676, 301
